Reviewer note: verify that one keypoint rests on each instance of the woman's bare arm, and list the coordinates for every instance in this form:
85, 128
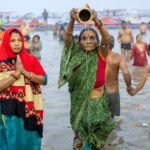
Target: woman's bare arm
70, 26
4, 84
143, 79
141, 84
104, 45
33, 77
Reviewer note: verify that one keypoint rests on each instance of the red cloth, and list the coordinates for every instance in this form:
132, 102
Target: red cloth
140, 57
15, 95
100, 76
30, 63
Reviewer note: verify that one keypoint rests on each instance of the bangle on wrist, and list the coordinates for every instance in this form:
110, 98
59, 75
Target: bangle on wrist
69, 32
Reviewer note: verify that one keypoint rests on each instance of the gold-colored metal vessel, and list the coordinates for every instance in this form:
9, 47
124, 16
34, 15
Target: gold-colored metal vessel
84, 15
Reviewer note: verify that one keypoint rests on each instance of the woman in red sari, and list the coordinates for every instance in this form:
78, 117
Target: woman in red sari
21, 108
139, 52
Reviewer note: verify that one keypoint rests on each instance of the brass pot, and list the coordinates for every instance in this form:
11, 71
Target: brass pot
84, 15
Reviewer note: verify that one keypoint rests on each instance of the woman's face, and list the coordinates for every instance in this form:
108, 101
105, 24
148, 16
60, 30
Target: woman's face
139, 38
16, 42
88, 41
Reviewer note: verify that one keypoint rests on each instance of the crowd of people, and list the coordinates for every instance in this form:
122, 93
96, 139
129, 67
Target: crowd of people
88, 65
91, 69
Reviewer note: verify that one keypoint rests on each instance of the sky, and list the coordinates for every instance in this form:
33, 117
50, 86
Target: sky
37, 6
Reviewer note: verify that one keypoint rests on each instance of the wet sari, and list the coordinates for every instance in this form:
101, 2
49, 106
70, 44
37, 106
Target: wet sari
89, 117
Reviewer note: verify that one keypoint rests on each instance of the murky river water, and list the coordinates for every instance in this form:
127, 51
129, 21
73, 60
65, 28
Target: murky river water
133, 132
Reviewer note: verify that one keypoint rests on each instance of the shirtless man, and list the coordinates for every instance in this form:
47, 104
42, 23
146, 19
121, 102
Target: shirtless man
125, 38
25, 29
143, 30
114, 62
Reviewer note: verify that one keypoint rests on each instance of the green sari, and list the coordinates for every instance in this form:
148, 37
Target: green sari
91, 118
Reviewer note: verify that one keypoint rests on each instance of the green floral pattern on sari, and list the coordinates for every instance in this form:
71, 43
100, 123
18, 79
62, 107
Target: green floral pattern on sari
91, 118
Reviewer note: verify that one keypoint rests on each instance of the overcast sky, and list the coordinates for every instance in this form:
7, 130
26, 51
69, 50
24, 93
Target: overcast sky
37, 6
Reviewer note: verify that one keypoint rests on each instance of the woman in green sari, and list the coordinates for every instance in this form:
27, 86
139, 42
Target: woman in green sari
83, 67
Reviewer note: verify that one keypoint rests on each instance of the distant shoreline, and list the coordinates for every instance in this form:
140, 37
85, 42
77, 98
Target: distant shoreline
77, 27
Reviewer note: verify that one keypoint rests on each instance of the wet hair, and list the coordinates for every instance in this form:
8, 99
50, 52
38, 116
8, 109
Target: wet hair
123, 21
89, 29
27, 37
111, 42
36, 36
137, 36
142, 23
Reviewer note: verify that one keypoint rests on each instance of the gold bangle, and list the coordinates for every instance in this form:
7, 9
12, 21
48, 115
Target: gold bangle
69, 32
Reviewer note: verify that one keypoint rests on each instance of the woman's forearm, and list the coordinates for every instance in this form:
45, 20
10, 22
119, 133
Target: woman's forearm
69, 32
4, 84
140, 86
104, 45
38, 79
35, 78
104, 33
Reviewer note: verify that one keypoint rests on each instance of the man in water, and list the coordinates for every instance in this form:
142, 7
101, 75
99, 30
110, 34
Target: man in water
143, 30
25, 29
125, 38
45, 16
114, 62
61, 34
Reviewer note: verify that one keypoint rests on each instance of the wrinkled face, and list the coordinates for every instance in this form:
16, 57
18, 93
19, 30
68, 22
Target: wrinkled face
16, 42
88, 41
36, 40
139, 39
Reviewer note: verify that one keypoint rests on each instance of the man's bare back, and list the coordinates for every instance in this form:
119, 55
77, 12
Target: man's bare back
114, 62
112, 71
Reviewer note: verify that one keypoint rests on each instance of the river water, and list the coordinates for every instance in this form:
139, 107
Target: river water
133, 132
